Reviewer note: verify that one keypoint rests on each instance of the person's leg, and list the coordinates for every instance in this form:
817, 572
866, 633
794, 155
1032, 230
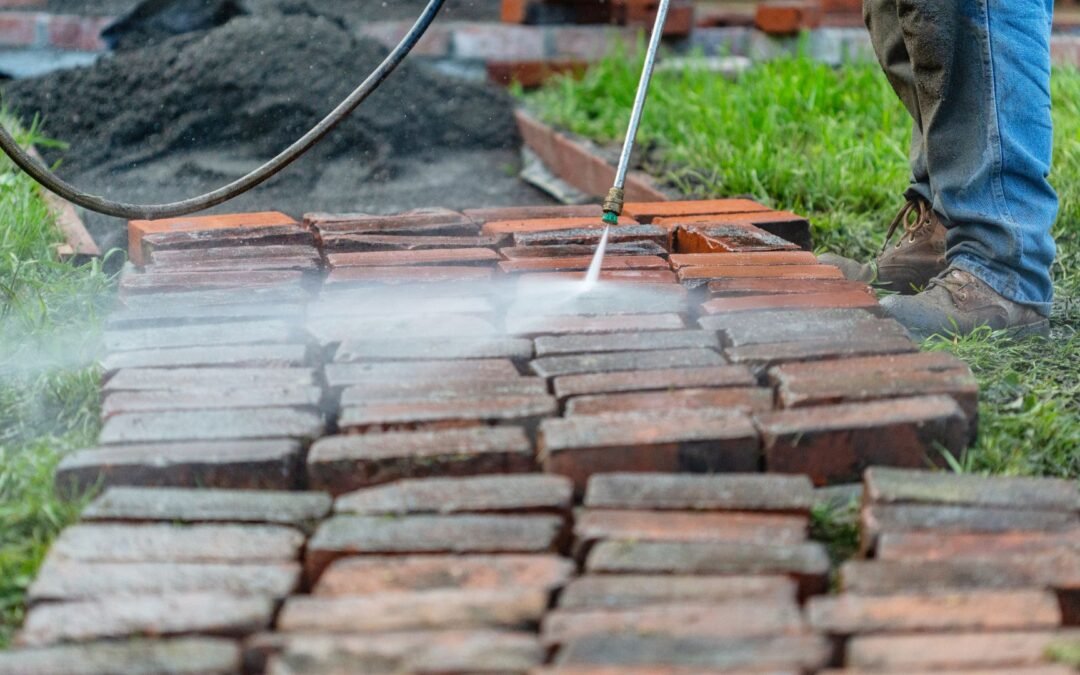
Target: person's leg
982, 73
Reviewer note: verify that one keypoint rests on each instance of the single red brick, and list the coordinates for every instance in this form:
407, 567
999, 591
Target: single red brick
434, 390
504, 213
892, 486
194, 654
137, 229
77, 33
443, 256
429, 274
807, 563
434, 414
701, 441
329, 331
207, 379
646, 212
745, 399
644, 277
651, 654
582, 263
339, 243
629, 248
556, 366
754, 286
226, 237
765, 259
212, 425
149, 616
459, 299
419, 222
202, 335
590, 236
339, 464
624, 342
164, 282
1049, 569
235, 356
222, 254
856, 299
306, 264
703, 275
784, 224
946, 547
888, 365
142, 543
613, 591
653, 380
343, 536
494, 227
366, 349
754, 337
871, 343
595, 525
589, 325
422, 610
122, 402
784, 325
1000, 651
533, 73
479, 494
432, 372
836, 443
785, 17
19, 29
726, 237
738, 619
373, 575
667, 492
271, 464
934, 612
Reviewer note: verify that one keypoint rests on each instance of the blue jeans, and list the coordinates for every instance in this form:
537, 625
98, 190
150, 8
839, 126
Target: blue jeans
975, 76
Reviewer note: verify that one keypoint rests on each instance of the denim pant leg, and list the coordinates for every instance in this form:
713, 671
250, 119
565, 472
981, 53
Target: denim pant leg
982, 73
883, 22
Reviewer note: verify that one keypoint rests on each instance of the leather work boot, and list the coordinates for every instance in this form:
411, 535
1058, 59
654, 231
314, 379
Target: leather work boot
910, 264
958, 302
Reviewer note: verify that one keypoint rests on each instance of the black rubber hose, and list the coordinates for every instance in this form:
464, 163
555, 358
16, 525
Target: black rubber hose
260, 175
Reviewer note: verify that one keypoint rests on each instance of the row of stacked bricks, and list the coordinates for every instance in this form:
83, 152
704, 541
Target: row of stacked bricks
787, 17
680, 19
259, 367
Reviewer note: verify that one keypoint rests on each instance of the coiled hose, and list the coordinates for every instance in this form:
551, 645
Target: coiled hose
238, 187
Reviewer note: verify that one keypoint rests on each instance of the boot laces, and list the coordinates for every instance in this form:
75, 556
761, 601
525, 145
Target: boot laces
916, 216
955, 282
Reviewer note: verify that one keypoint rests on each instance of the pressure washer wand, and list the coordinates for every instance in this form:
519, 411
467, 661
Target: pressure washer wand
613, 205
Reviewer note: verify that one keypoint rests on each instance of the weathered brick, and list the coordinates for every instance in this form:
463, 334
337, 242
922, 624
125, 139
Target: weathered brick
170, 615
649, 211
201, 231
542, 300
418, 222
802, 653
595, 525
629, 248
237, 356
668, 492
787, 17
590, 234
582, 263
373, 575
126, 504
944, 518
478, 651
185, 302
857, 299
836, 443
625, 342
556, 366
653, 380
181, 656
309, 263
895, 486
608, 277
698, 276
872, 342
1058, 570
726, 237
431, 274
234, 333
765, 259
179, 312
785, 224
225, 399
860, 330
269, 464
480, 494
786, 325
60, 581
807, 563
888, 366
1004, 651
207, 379
229, 237
421, 610
592, 325
617, 591
973, 610
345, 374
434, 348
503, 213
495, 227
212, 425
457, 412
755, 286
118, 543
744, 399
164, 282
724, 620
329, 331
340, 464
461, 534
219, 254
699, 441
430, 390
340, 303
444, 256
939, 546
341, 243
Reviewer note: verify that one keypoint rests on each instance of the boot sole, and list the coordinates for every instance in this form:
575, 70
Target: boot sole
1036, 329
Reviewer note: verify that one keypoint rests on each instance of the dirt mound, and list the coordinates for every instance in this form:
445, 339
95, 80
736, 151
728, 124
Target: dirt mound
252, 87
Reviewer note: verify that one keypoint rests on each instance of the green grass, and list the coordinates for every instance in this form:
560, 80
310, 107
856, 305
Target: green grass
832, 144
49, 323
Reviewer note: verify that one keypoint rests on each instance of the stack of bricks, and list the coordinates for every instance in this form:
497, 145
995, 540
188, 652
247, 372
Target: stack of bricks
680, 19
961, 574
441, 376
787, 17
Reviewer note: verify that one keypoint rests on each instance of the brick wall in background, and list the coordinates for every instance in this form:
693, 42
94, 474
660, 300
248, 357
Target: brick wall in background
42, 30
